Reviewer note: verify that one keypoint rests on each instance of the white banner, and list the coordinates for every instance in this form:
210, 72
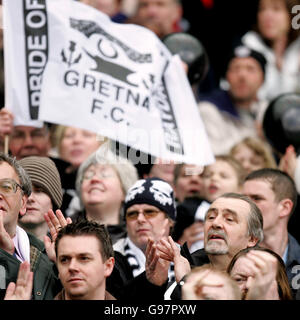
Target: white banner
71, 65
22, 69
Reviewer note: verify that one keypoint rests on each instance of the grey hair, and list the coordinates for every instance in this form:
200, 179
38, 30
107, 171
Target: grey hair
25, 181
255, 218
126, 171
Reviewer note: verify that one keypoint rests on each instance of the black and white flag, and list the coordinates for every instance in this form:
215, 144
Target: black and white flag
68, 63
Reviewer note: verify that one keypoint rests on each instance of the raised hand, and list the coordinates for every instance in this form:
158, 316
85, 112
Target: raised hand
169, 251
156, 268
6, 122
160, 233
195, 283
55, 223
262, 285
22, 289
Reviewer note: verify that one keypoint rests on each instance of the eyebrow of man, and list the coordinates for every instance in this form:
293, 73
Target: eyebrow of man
215, 210
240, 274
81, 254
211, 210
234, 213
254, 195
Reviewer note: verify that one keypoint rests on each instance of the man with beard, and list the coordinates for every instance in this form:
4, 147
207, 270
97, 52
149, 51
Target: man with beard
227, 229
233, 222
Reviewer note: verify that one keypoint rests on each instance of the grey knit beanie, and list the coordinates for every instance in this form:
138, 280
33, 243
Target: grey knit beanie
44, 174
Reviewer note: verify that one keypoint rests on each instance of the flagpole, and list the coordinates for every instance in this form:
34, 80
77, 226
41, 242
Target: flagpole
6, 140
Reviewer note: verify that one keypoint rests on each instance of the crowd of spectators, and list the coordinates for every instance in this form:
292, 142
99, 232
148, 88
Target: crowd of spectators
77, 225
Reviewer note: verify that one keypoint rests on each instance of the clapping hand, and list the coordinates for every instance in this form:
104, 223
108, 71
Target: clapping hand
22, 289
55, 223
156, 268
194, 286
262, 285
169, 251
6, 242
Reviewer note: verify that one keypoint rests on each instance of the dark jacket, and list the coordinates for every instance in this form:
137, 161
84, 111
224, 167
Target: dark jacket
185, 216
116, 231
196, 259
45, 281
122, 285
293, 259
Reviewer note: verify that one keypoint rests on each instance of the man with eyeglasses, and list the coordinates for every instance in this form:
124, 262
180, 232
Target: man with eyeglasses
24, 141
16, 246
27, 141
149, 210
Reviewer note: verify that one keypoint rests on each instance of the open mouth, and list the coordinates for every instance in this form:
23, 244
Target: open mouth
194, 190
96, 188
213, 189
215, 237
76, 152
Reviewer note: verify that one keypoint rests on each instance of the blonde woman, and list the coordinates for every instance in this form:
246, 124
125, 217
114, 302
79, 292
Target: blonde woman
253, 154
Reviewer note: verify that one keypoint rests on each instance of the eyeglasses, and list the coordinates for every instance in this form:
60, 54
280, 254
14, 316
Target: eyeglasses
148, 214
9, 187
102, 174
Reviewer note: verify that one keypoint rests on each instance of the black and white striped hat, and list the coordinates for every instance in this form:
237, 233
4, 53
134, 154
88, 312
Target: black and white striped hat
152, 191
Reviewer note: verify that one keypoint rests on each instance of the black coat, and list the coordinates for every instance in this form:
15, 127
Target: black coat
185, 215
125, 287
